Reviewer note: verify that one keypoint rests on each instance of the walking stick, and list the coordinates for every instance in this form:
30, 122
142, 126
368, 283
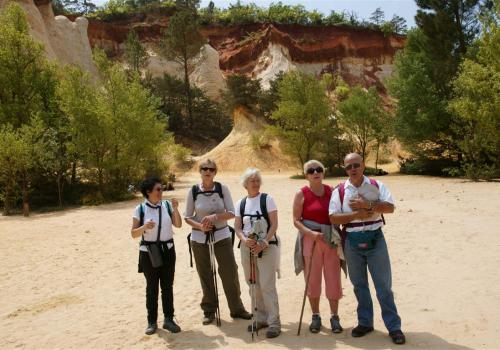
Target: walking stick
211, 247
307, 286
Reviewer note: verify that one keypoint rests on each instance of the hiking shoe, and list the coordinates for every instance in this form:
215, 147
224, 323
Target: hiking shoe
257, 326
397, 337
360, 331
335, 324
273, 332
208, 317
315, 325
245, 315
170, 325
151, 329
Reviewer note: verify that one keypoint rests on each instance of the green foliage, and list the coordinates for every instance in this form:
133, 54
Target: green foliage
363, 116
134, 52
181, 42
22, 63
73, 7
477, 106
303, 118
269, 98
242, 91
377, 17
206, 112
95, 137
124, 9
423, 75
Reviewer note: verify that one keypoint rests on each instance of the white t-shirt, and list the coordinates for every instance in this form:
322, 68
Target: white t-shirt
352, 191
154, 214
252, 205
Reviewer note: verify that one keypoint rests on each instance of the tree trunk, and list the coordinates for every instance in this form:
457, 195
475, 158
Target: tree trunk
376, 157
73, 174
26, 204
60, 189
6, 201
187, 87
100, 180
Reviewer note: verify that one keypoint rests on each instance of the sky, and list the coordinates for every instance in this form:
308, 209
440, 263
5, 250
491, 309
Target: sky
404, 8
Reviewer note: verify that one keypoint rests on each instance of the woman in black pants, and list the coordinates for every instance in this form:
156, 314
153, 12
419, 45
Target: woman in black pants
153, 220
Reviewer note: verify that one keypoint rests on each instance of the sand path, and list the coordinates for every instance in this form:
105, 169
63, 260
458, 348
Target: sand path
69, 279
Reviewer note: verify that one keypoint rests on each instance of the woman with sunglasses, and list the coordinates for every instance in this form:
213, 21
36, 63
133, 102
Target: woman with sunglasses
208, 208
310, 217
153, 220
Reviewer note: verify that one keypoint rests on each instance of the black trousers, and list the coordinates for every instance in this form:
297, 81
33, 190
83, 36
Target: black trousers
164, 276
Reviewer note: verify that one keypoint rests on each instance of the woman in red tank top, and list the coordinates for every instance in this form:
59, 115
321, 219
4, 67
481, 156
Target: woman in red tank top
311, 203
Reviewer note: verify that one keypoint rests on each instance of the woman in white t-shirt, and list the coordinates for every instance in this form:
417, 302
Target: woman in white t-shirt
256, 222
153, 220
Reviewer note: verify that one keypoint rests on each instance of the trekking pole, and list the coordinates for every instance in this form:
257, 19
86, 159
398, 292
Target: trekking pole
252, 281
214, 274
307, 286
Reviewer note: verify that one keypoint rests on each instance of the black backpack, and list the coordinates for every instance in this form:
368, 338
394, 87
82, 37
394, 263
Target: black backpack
195, 191
141, 211
265, 214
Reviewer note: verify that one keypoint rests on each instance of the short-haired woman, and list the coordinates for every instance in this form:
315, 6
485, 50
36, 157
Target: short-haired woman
310, 217
153, 220
208, 208
259, 251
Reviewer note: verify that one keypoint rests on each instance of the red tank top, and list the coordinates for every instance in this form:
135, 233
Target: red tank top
316, 208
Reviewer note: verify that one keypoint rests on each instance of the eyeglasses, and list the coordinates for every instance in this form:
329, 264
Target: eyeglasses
208, 169
352, 166
311, 171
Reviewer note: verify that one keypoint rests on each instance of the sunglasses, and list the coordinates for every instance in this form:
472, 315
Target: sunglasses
158, 189
311, 171
208, 169
352, 166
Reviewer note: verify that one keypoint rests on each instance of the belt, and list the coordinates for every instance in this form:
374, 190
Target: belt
365, 223
155, 242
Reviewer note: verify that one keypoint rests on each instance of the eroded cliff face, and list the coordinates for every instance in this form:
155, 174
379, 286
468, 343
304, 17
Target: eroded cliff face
361, 56
64, 40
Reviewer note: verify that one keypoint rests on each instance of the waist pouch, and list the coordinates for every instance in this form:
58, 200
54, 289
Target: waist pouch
156, 251
363, 240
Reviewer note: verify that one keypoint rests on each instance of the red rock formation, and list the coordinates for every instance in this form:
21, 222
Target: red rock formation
239, 47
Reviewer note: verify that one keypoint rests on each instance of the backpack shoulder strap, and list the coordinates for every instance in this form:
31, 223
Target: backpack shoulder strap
194, 192
374, 182
243, 203
218, 189
341, 194
263, 206
169, 208
141, 214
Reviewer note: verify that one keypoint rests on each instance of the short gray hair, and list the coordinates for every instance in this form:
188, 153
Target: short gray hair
308, 164
250, 172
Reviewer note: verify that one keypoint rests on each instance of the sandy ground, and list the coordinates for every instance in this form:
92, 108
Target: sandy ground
69, 279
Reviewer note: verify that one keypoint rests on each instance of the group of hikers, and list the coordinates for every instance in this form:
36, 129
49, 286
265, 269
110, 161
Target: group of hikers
338, 229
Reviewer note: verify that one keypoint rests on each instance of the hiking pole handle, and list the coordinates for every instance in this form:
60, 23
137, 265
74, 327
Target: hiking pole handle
307, 287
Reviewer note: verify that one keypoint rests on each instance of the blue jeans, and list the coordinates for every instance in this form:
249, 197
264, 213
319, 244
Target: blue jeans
377, 261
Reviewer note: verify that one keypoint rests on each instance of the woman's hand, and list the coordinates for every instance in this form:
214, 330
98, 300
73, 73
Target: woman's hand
250, 243
175, 203
149, 225
316, 236
209, 219
257, 248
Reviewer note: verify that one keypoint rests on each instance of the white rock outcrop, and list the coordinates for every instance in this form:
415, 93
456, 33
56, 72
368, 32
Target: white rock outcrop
63, 40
